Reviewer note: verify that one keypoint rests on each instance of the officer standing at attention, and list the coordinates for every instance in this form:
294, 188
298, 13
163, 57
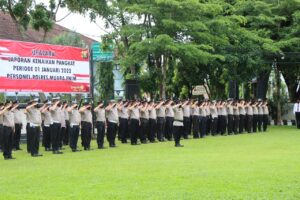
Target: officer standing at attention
236, 117
178, 123
214, 118
18, 126
1, 127
34, 114
62, 126
186, 119
265, 115
169, 120
195, 108
55, 126
255, 116
297, 113
67, 122
161, 120
8, 129
260, 115
249, 117
112, 123
152, 122
100, 124
86, 126
144, 113
75, 119
202, 119
242, 111
46, 115
123, 117
134, 127
230, 112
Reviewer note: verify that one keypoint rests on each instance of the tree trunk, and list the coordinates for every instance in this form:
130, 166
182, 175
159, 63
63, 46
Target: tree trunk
162, 91
278, 92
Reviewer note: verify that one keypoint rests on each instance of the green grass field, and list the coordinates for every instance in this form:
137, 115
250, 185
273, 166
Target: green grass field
247, 166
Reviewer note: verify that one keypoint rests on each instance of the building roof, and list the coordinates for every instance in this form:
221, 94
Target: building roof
9, 31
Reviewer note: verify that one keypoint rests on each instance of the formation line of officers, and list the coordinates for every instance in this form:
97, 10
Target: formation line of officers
139, 122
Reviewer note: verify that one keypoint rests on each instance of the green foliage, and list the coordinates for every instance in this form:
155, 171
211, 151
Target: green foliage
105, 79
68, 39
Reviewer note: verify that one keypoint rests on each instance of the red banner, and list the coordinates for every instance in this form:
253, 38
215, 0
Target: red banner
34, 67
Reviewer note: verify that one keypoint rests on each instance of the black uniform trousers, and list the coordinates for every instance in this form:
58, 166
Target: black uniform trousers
242, 124
195, 126
169, 128
236, 123
46, 136
123, 129
208, 125
144, 133
61, 136
66, 135
260, 119
152, 130
27, 137
160, 128
1, 136
74, 134
177, 133
249, 123
134, 127
34, 137
223, 124
230, 124
203, 124
7, 141
86, 134
55, 136
100, 133
254, 122
111, 133
186, 126
265, 122
297, 115
17, 136
214, 126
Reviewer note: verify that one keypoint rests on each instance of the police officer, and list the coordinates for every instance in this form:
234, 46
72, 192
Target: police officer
260, 115
161, 114
34, 114
144, 114
134, 125
249, 116
236, 118
195, 113
100, 124
18, 126
186, 119
169, 120
62, 126
230, 112
1, 127
8, 126
152, 122
202, 119
56, 125
27, 128
67, 122
255, 116
75, 119
178, 123
265, 115
86, 126
208, 118
112, 123
214, 118
242, 112
123, 120
46, 116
